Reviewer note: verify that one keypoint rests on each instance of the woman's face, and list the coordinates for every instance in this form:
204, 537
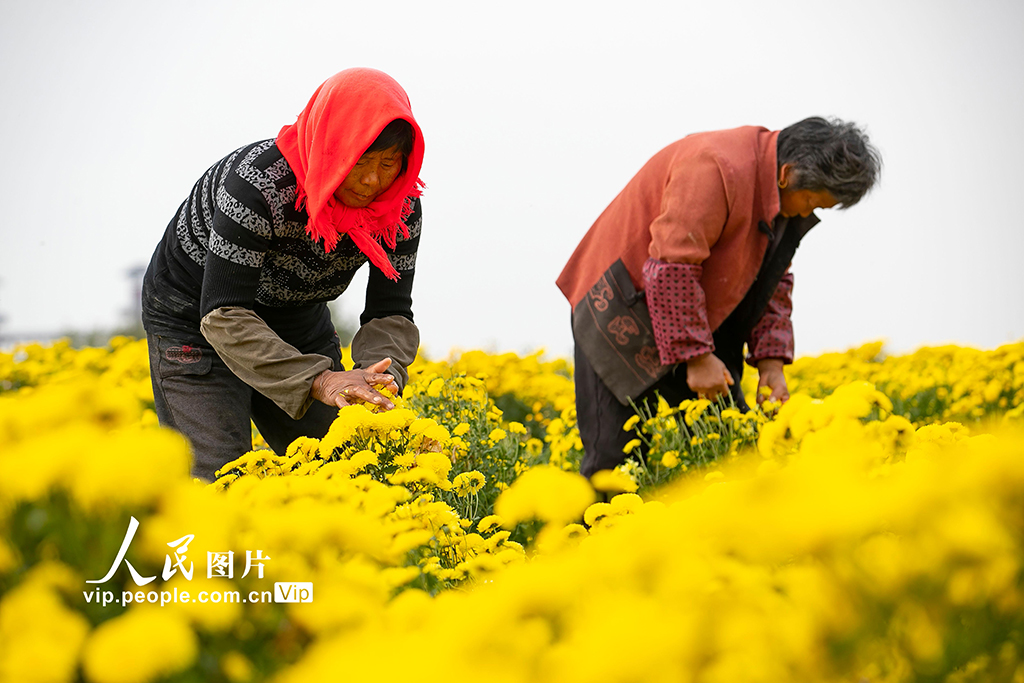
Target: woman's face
370, 177
803, 202
800, 202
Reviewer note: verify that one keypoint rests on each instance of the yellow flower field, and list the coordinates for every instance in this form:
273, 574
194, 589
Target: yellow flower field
871, 529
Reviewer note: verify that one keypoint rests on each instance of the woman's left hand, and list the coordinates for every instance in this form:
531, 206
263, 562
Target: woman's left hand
342, 389
770, 375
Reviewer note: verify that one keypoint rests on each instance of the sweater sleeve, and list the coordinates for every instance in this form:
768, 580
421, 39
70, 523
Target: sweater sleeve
386, 297
679, 317
240, 235
386, 327
772, 337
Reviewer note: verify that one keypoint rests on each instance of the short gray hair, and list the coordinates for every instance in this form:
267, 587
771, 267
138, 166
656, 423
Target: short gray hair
830, 154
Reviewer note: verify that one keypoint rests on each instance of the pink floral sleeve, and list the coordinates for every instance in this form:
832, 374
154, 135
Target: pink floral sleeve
772, 337
678, 310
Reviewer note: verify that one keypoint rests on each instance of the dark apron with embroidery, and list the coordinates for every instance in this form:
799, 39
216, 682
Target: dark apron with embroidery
612, 324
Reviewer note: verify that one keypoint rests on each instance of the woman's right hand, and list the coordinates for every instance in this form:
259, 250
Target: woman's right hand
708, 377
342, 389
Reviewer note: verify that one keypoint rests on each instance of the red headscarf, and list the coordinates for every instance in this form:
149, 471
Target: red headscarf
343, 118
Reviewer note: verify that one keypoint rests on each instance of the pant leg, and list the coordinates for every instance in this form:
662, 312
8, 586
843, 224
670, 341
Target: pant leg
600, 416
198, 396
278, 428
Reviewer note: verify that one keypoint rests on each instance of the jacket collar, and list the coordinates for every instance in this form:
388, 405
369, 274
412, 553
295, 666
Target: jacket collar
803, 224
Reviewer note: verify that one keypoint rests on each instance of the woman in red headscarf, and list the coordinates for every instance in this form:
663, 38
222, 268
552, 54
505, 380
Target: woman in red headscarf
235, 297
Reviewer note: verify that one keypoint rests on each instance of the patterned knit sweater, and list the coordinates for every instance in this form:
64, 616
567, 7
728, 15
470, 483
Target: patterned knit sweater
238, 240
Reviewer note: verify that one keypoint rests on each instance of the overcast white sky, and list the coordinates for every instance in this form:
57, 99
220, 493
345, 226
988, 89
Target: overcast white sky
535, 114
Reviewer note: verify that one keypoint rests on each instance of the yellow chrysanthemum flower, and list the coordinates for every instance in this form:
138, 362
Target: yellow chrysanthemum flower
468, 483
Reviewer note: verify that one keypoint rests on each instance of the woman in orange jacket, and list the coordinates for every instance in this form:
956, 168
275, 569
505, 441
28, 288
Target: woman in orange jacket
690, 262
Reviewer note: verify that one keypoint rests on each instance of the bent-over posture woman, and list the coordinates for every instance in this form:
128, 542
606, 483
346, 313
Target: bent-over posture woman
691, 261
235, 297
